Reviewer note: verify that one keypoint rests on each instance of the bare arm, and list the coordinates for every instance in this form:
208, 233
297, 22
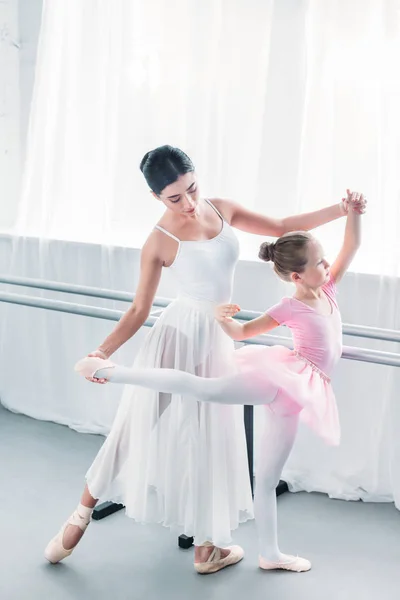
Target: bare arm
242, 331
150, 272
252, 222
351, 242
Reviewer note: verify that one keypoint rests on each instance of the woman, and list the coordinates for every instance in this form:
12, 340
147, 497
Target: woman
168, 461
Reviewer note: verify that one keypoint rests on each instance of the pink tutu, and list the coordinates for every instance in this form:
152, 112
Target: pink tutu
297, 385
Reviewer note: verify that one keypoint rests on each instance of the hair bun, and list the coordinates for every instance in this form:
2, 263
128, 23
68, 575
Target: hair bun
267, 251
144, 161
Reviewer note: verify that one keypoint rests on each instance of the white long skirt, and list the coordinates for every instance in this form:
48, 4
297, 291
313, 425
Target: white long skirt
168, 458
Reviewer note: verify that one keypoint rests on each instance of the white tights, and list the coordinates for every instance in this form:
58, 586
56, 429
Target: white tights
275, 446
276, 442
231, 389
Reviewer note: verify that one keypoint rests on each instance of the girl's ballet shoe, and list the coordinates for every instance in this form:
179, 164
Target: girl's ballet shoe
89, 366
291, 563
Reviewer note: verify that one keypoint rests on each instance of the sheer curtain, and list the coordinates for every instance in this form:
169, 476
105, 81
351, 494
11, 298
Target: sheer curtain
282, 104
115, 79
10, 175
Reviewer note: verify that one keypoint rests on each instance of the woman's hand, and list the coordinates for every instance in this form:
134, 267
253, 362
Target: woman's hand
355, 201
99, 354
226, 311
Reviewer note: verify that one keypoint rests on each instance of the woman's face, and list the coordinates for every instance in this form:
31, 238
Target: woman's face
182, 196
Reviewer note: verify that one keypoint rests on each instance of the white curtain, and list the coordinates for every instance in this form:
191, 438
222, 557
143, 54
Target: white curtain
282, 104
10, 175
115, 79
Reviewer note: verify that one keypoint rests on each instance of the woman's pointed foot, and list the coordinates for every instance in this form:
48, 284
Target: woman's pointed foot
55, 550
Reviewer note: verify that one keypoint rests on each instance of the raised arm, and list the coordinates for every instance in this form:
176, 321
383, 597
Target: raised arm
352, 239
242, 331
252, 222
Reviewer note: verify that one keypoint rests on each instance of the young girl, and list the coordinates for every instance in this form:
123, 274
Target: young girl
290, 383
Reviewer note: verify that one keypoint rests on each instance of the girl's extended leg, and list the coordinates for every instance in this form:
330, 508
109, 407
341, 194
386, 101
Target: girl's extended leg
238, 388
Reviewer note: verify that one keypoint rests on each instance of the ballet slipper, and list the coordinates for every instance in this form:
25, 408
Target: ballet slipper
216, 563
55, 551
291, 563
90, 365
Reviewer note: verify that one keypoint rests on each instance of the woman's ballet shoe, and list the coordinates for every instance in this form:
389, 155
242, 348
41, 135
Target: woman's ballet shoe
90, 365
55, 551
291, 563
216, 563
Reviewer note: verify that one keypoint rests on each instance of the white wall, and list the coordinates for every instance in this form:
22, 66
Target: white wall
30, 13
9, 110
19, 31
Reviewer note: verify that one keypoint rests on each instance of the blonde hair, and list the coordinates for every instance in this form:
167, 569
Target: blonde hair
289, 253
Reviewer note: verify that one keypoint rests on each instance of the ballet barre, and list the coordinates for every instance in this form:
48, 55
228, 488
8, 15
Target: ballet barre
380, 357
350, 353
363, 331
79, 290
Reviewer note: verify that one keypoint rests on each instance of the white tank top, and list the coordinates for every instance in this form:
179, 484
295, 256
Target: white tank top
204, 269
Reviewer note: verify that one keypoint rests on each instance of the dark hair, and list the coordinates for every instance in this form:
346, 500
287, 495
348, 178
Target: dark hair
288, 253
163, 166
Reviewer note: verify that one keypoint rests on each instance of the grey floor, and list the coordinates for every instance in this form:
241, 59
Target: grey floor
354, 547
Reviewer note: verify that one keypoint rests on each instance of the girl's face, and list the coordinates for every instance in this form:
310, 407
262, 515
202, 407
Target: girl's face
316, 273
182, 196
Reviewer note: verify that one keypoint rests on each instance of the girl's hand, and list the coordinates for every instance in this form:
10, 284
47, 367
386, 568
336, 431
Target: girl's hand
226, 311
99, 354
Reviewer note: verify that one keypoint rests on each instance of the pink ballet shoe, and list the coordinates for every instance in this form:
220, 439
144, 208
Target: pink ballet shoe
55, 551
89, 366
290, 563
216, 563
